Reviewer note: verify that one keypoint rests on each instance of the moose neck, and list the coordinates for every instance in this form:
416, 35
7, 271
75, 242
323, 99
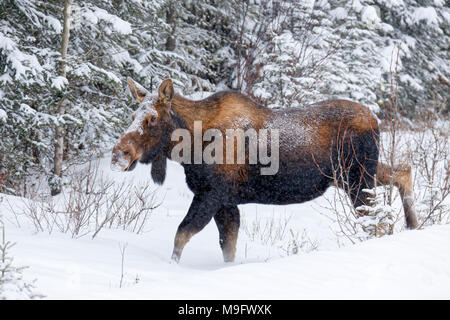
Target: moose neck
186, 111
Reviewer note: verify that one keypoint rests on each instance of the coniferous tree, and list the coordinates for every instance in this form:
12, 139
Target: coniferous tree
55, 179
282, 53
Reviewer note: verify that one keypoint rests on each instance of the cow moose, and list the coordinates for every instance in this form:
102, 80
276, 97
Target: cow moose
315, 142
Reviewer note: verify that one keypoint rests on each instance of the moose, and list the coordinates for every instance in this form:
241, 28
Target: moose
317, 143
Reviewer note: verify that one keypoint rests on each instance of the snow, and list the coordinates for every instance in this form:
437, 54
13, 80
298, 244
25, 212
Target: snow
12, 284
123, 58
26, 109
428, 14
265, 264
145, 108
389, 58
107, 73
293, 133
446, 15
199, 95
5, 78
410, 264
414, 82
392, 3
6, 43
54, 23
370, 16
262, 93
339, 13
357, 6
121, 162
96, 14
3, 115
82, 70
59, 82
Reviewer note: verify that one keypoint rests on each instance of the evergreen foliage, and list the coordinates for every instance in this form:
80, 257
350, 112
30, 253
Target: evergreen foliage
282, 53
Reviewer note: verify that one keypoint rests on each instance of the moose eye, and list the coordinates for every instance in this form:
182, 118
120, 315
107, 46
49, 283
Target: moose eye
152, 119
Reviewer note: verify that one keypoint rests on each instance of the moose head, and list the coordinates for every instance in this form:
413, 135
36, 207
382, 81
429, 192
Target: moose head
148, 137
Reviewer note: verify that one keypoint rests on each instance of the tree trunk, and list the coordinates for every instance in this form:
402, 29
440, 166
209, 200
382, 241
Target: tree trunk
55, 181
170, 19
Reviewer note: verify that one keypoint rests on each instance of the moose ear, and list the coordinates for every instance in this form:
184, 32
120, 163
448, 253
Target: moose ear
166, 91
137, 91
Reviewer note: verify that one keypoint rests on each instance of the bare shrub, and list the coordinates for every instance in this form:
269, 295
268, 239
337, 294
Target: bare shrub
122, 248
426, 148
375, 219
89, 203
299, 242
430, 155
424, 144
275, 231
388, 149
2, 180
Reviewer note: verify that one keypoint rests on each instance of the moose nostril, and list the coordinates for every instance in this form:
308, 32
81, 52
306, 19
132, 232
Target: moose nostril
129, 154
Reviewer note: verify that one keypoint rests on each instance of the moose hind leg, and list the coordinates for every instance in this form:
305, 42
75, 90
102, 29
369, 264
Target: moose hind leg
357, 160
402, 179
362, 176
200, 213
364, 168
228, 221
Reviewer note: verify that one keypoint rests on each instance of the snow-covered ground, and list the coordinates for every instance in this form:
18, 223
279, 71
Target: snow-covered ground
410, 264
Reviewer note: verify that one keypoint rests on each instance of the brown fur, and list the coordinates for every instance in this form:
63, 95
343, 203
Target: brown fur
402, 179
311, 139
227, 220
220, 112
181, 238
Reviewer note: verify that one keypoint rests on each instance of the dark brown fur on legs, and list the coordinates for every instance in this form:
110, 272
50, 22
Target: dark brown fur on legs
181, 238
203, 207
228, 221
402, 179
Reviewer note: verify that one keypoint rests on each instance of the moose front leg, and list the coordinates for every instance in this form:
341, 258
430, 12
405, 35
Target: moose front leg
200, 213
228, 220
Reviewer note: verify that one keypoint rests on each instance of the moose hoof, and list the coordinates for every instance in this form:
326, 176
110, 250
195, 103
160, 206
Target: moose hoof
412, 226
228, 258
175, 258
